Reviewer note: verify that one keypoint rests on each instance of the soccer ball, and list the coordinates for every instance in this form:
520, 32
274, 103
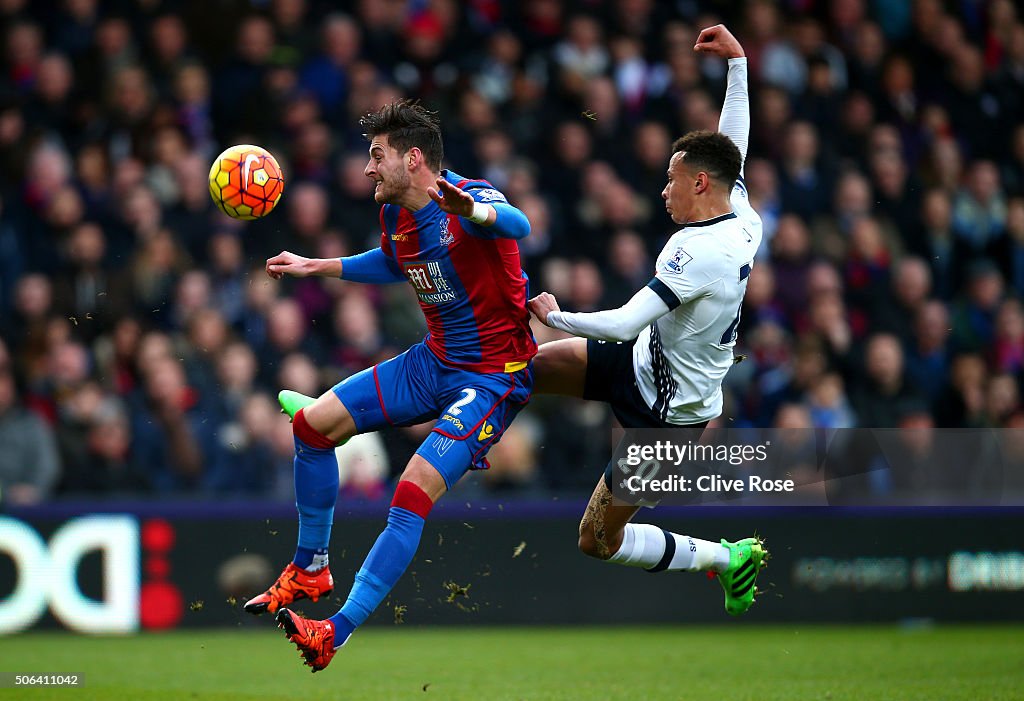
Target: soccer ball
246, 182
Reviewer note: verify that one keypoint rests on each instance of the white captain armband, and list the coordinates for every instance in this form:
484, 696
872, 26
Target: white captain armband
480, 213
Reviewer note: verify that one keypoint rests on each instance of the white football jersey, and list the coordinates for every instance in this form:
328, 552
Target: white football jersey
681, 359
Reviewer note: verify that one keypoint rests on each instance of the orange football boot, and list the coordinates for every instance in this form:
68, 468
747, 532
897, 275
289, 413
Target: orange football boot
315, 639
293, 584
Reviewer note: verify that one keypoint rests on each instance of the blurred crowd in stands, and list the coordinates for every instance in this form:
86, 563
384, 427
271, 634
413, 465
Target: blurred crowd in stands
141, 344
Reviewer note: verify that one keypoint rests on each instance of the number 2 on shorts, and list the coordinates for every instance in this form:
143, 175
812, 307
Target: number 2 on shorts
470, 395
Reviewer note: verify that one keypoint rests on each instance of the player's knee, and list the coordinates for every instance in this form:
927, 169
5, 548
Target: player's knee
328, 417
305, 432
411, 497
425, 476
591, 545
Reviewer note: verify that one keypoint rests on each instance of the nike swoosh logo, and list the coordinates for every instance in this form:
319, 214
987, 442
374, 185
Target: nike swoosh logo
245, 168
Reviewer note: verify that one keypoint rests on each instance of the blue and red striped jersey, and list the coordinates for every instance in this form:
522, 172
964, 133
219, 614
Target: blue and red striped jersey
470, 283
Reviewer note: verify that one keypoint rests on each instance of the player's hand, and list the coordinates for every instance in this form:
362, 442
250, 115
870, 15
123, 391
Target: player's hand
718, 41
542, 305
287, 263
451, 199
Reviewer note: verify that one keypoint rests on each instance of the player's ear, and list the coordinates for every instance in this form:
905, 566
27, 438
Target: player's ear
414, 158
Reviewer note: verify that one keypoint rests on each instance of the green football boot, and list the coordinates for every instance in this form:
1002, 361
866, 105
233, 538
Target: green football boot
292, 401
746, 558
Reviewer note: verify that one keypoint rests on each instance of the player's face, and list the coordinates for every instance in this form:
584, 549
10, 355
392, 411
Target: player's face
678, 192
387, 168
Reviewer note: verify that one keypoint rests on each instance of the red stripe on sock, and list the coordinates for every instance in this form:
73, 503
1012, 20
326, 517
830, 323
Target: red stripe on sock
410, 497
309, 435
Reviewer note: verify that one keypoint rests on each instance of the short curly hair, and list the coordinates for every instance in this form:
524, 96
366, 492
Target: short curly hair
712, 152
407, 124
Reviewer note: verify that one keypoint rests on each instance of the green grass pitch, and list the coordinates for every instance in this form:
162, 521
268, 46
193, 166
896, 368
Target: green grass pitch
736, 661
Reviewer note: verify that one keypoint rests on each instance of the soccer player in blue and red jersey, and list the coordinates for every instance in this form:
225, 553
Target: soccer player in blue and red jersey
454, 241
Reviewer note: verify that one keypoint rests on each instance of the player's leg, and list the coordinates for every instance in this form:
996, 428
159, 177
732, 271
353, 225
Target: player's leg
377, 396
611, 377
605, 531
479, 408
607, 534
419, 487
604, 522
560, 367
316, 428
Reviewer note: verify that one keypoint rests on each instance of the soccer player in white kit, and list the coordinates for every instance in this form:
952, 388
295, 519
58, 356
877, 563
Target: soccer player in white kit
684, 323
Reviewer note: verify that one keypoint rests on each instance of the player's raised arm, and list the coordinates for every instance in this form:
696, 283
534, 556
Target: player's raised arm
622, 324
496, 215
735, 119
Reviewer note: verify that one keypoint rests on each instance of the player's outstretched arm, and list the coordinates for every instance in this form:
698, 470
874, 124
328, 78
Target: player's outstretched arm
288, 263
373, 266
622, 324
735, 119
501, 218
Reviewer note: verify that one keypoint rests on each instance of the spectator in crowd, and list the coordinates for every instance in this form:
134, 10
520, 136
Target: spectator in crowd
974, 313
828, 405
979, 208
852, 201
882, 393
326, 75
167, 424
1007, 354
936, 242
242, 461
1012, 257
804, 182
29, 463
791, 260
928, 357
910, 287
108, 466
962, 403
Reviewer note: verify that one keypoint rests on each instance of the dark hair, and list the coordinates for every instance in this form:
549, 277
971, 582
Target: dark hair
407, 124
712, 152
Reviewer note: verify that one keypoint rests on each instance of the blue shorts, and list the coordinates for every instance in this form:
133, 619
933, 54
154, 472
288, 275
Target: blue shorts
472, 409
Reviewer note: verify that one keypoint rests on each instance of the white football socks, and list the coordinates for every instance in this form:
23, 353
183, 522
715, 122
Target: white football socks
642, 546
647, 546
320, 561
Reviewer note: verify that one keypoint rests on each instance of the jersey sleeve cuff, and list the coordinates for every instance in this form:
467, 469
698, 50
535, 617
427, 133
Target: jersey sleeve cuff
666, 294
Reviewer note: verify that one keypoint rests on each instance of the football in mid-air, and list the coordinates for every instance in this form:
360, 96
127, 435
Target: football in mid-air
246, 182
